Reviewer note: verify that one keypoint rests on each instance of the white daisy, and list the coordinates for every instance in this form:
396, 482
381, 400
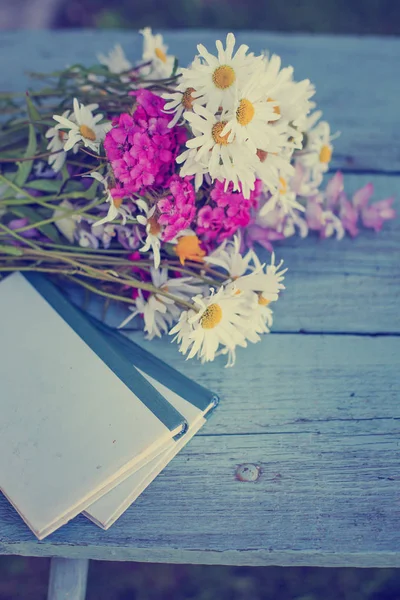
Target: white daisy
155, 50
84, 127
115, 61
68, 224
160, 312
214, 78
179, 101
267, 283
220, 320
273, 166
156, 318
251, 116
183, 330
115, 209
57, 144
226, 160
258, 324
292, 99
229, 258
263, 317
153, 231
193, 166
317, 150
294, 224
284, 198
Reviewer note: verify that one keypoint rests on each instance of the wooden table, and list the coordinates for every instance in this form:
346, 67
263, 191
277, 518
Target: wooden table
314, 409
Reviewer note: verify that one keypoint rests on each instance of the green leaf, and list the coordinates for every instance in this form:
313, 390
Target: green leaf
24, 168
174, 70
49, 230
9, 192
11, 250
44, 185
33, 112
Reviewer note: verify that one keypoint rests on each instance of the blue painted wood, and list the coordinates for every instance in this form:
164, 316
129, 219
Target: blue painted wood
356, 79
314, 418
319, 415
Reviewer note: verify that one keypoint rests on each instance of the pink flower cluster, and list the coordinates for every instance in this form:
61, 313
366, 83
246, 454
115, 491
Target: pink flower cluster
141, 148
226, 213
177, 210
335, 205
330, 213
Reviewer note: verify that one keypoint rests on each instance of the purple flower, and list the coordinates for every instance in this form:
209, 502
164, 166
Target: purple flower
19, 223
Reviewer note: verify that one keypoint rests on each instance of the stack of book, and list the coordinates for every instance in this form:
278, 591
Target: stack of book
88, 418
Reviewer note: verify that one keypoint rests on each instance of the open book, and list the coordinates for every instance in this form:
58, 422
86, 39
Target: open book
76, 417
192, 400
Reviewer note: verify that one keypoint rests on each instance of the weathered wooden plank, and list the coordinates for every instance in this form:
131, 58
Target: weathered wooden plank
332, 495
291, 383
356, 78
326, 460
68, 578
350, 286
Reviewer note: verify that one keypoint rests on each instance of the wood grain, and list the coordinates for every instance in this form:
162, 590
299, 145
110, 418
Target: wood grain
321, 423
356, 79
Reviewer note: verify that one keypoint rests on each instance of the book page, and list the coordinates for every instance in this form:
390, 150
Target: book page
68, 425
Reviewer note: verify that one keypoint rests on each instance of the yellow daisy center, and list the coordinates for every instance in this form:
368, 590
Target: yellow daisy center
87, 133
217, 131
188, 248
245, 112
187, 98
223, 77
154, 227
262, 301
211, 316
160, 55
325, 155
262, 155
282, 185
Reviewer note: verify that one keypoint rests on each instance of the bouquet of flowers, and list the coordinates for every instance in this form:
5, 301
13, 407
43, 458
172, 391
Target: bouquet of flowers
149, 185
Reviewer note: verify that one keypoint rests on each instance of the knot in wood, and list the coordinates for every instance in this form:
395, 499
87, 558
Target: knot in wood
248, 472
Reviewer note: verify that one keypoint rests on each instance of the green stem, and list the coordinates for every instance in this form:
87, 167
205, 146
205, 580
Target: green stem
39, 269
25, 241
100, 292
69, 213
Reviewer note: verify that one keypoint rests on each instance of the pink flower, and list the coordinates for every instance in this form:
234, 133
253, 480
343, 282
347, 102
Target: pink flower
209, 222
227, 212
348, 214
333, 189
375, 215
141, 148
261, 235
178, 208
314, 215
362, 196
